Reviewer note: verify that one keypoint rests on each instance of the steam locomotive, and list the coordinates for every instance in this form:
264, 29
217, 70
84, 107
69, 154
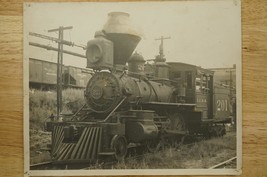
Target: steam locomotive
143, 104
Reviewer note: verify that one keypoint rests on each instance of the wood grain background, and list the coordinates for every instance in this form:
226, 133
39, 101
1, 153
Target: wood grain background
254, 47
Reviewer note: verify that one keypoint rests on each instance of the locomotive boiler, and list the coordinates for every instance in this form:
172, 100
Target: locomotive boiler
136, 105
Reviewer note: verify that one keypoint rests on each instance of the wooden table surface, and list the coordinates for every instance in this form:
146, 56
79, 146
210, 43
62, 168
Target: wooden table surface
254, 48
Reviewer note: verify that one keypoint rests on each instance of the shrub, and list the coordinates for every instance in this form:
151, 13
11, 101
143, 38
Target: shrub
43, 103
72, 99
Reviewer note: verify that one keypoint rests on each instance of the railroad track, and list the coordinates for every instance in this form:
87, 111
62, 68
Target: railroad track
225, 164
51, 166
41, 166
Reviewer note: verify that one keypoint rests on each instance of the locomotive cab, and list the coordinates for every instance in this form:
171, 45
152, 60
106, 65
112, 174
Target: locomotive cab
197, 87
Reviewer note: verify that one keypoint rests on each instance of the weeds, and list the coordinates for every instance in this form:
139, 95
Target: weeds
200, 155
43, 103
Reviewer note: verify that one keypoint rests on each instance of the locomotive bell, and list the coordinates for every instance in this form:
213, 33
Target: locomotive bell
124, 36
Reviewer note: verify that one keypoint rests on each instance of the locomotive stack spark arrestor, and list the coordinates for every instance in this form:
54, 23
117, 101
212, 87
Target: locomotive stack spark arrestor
136, 64
123, 34
99, 52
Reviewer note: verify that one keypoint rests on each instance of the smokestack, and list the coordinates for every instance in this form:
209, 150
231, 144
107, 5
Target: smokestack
124, 36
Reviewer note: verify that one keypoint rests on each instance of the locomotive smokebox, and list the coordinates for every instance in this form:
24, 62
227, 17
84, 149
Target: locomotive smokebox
123, 34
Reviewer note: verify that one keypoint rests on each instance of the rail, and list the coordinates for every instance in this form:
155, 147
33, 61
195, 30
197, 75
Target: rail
40, 165
223, 163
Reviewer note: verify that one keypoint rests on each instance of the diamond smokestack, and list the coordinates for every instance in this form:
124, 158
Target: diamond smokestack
123, 34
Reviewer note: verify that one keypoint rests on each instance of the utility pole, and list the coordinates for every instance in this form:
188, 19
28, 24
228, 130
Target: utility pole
231, 84
59, 65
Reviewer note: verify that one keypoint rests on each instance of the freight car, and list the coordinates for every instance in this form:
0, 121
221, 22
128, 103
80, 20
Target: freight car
43, 75
225, 76
145, 105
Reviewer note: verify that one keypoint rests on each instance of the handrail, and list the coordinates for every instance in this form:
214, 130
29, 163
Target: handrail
78, 112
114, 110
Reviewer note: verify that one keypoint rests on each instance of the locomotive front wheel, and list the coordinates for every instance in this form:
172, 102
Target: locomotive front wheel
119, 145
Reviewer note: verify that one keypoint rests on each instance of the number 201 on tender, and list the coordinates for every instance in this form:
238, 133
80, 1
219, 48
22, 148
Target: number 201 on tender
222, 105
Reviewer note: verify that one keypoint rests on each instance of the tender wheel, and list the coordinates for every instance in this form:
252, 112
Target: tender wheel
119, 145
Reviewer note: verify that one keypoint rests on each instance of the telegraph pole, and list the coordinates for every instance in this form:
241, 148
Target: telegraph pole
231, 83
60, 31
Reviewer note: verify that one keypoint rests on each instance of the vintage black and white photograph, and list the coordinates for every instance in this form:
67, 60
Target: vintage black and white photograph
132, 88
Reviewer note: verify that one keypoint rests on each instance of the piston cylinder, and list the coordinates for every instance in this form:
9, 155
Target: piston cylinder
140, 126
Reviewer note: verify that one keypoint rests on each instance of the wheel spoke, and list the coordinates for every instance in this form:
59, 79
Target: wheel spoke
120, 148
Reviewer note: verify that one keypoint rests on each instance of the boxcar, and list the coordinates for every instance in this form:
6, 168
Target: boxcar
43, 75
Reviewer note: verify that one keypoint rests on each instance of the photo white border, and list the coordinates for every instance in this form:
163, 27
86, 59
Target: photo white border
28, 172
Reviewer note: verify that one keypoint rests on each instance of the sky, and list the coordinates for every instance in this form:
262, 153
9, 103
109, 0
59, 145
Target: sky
203, 33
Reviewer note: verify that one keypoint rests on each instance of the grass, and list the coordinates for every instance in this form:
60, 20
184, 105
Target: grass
38, 141
200, 155
42, 104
